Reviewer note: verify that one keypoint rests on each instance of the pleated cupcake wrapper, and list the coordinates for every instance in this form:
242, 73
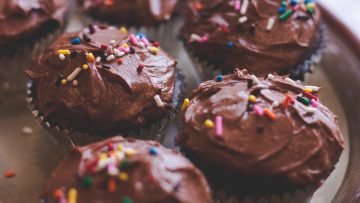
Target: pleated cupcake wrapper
209, 71
68, 138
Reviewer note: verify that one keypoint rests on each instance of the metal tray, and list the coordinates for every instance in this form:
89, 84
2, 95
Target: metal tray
33, 155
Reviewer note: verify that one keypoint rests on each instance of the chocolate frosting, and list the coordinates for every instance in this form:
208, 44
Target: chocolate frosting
229, 43
21, 19
117, 90
302, 143
131, 12
153, 174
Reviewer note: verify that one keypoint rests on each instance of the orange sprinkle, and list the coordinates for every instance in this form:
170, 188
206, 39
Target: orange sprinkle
111, 185
120, 60
270, 114
109, 2
286, 101
9, 174
58, 193
198, 6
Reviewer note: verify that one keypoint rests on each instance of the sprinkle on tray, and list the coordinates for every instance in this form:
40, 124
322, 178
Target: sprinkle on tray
9, 174
185, 104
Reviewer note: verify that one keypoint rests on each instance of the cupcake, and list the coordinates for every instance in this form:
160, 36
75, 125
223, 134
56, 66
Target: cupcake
103, 81
26, 27
126, 170
263, 37
271, 134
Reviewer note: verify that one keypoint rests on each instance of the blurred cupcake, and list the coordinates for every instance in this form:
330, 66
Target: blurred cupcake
26, 28
103, 81
260, 136
263, 37
128, 171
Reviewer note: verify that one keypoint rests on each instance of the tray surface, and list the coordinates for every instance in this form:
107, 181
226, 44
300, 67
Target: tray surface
33, 155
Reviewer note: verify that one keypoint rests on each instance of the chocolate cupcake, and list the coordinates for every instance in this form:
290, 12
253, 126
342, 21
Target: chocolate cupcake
126, 170
26, 28
261, 36
272, 131
103, 81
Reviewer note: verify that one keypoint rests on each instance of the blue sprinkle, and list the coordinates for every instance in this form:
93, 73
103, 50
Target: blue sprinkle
293, 2
230, 44
308, 1
219, 78
282, 9
75, 41
140, 35
153, 151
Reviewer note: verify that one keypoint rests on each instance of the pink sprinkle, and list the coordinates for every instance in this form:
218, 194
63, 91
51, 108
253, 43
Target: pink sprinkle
314, 103
258, 110
218, 126
295, 8
145, 41
127, 50
237, 5
133, 40
204, 38
63, 200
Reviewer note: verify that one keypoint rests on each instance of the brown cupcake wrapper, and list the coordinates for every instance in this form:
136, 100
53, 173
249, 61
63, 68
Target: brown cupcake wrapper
68, 138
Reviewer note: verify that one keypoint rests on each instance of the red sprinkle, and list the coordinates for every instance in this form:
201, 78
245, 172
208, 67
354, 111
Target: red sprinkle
310, 96
110, 146
140, 68
103, 46
120, 60
286, 101
58, 193
9, 174
156, 44
224, 28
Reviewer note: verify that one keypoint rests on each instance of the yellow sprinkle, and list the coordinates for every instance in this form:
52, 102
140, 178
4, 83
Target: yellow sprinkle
123, 176
64, 51
310, 5
72, 195
154, 50
103, 156
185, 104
252, 98
90, 57
125, 45
123, 30
120, 147
130, 152
85, 66
208, 123
63, 81
308, 90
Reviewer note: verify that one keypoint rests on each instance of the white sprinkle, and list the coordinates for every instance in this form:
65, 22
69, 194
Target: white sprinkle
275, 104
112, 42
74, 74
110, 58
62, 57
29, 100
310, 109
120, 54
244, 7
195, 37
255, 79
314, 88
98, 59
242, 19
270, 76
27, 130
290, 80
75, 83
158, 101
35, 113
141, 44
113, 171
270, 24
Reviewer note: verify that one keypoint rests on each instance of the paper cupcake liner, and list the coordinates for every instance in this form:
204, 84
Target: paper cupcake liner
13, 65
209, 70
68, 138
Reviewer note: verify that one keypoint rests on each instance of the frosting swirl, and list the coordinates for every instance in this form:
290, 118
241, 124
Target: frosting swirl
103, 79
131, 12
230, 36
127, 170
271, 127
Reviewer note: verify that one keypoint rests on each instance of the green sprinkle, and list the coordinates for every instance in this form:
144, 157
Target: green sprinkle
310, 10
283, 3
304, 100
127, 199
124, 164
87, 182
285, 15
